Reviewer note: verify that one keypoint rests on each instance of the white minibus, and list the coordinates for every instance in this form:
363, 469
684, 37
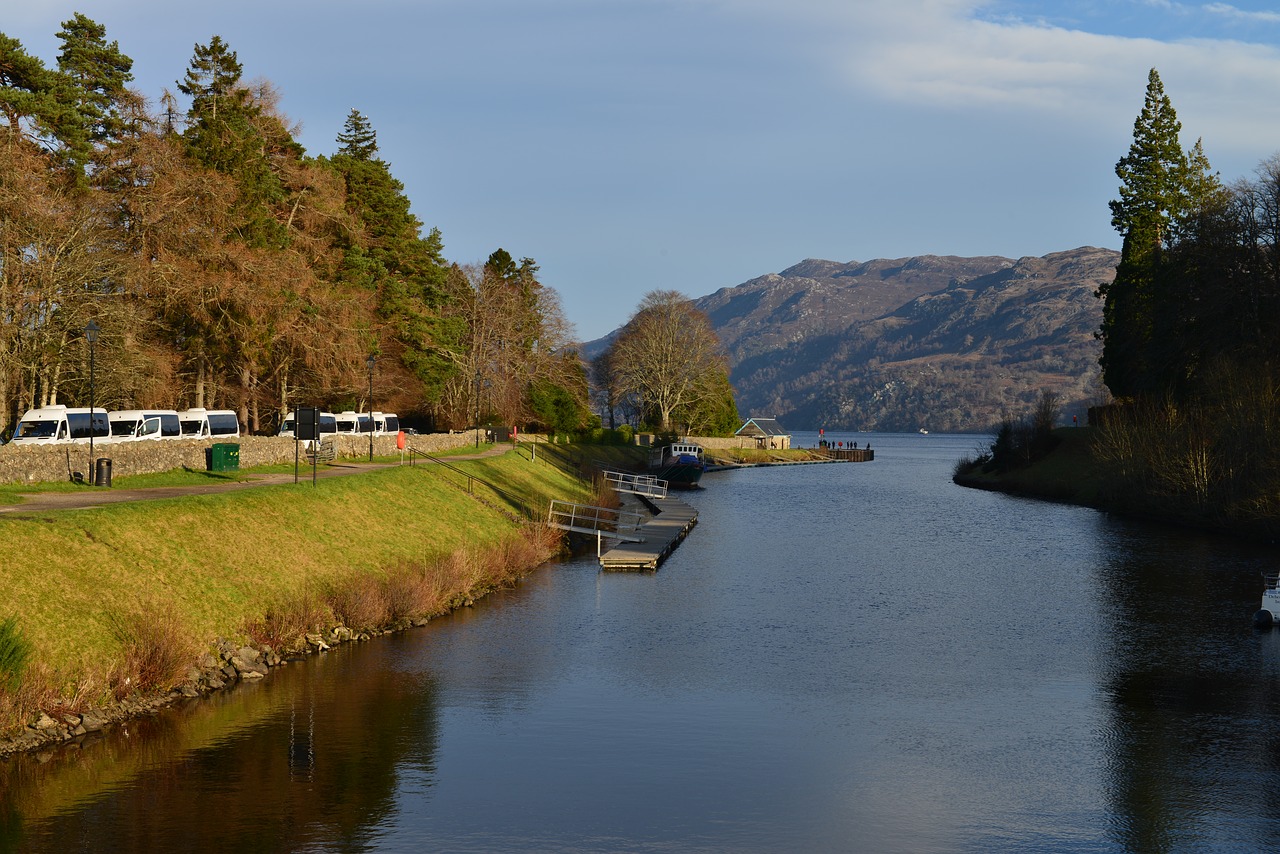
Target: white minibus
136, 424
50, 424
209, 423
351, 423
386, 423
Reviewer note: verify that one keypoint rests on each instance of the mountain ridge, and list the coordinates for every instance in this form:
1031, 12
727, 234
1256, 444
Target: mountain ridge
942, 342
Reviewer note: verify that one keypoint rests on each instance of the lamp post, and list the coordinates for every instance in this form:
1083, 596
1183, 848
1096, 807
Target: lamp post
91, 335
476, 391
370, 362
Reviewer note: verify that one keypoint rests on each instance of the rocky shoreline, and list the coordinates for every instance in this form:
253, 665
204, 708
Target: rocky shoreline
234, 663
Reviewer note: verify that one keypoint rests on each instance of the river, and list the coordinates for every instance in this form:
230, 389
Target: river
851, 657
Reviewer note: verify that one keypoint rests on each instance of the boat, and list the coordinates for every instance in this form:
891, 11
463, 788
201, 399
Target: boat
1269, 613
680, 464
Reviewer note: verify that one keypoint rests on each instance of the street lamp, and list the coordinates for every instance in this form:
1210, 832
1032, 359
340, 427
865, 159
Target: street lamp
475, 390
370, 362
91, 334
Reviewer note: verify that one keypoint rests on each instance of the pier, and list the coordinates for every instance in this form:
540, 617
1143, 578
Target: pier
657, 538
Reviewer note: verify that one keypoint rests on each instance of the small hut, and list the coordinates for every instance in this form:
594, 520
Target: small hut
767, 432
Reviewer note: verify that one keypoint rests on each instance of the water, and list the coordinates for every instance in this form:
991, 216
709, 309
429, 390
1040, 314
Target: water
839, 658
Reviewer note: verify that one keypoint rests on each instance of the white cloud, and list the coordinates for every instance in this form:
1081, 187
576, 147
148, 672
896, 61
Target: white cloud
1229, 11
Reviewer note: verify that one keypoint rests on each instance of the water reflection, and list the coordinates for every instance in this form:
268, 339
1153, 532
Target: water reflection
1192, 743
308, 758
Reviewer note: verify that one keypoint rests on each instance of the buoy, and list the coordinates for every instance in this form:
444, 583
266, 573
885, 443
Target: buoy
1263, 619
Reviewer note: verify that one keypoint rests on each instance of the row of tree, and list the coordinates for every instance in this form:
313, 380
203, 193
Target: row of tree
227, 267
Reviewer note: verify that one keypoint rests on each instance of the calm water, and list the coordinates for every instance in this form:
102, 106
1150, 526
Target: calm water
839, 658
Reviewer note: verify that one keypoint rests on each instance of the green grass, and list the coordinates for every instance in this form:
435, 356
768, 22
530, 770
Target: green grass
215, 561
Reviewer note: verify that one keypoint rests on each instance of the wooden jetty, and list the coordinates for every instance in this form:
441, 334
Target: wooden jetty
658, 537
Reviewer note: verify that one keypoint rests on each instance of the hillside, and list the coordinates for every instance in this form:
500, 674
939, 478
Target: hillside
939, 342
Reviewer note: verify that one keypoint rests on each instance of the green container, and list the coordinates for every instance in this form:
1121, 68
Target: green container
224, 456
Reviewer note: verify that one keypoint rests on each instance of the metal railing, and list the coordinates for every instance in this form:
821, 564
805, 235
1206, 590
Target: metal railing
636, 484
474, 485
601, 521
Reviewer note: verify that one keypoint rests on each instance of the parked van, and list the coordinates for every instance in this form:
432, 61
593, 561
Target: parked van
328, 425
51, 424
208, 423
130, 424
351, 423
385, 423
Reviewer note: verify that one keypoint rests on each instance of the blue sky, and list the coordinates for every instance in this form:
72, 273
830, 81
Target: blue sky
628, 145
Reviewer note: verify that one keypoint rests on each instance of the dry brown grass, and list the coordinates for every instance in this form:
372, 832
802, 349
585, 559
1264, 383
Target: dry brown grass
285, 625
155, 650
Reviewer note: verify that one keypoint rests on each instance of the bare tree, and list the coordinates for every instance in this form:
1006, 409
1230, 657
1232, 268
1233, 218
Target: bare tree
669, 356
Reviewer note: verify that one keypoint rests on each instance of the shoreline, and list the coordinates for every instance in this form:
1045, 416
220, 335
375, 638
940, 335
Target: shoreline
435, 531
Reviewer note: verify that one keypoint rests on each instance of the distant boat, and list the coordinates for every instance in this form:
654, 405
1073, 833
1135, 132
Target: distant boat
680, 464
924, 431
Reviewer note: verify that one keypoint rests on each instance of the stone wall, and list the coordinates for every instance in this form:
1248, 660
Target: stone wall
23, 463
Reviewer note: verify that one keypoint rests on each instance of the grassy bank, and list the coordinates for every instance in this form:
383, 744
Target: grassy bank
102, 595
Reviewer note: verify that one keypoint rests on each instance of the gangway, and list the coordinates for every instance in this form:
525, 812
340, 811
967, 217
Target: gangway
636, 484
599, 521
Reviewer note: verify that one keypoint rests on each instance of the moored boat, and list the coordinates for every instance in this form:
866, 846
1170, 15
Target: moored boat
680, 464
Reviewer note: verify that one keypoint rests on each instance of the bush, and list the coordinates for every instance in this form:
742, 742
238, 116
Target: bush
155, 649
15, 653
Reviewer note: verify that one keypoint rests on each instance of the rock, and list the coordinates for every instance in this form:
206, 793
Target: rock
45, 723
91, 722
248, 654
250, 675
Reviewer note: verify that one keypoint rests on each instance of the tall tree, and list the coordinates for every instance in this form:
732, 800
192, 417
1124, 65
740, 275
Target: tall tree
97, 74
670, 357
358, 139
1161, 188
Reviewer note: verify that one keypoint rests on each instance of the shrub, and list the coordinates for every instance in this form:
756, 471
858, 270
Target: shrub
155, 650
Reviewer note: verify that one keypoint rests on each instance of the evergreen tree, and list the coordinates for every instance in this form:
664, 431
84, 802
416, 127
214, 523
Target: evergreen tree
212, 77
393, 260
1162, 188
98, 73
358, 139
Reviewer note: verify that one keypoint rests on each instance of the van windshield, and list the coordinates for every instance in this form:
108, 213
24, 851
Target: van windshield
36, 430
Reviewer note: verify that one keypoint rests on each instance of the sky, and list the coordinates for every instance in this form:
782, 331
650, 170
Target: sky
691, 145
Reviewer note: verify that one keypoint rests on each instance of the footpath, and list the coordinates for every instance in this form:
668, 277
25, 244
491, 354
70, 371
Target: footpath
98, 496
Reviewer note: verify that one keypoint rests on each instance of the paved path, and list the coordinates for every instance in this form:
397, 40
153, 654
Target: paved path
91, 497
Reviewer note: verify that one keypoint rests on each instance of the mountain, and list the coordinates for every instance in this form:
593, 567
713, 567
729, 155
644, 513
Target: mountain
937, 342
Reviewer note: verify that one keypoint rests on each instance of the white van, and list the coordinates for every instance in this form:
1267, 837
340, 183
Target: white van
328, 425
352, 423
135, 424
385, 423
209, 423
51, 424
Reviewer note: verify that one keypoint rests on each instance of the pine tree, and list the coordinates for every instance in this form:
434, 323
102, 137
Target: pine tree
358, 138
212, 77
1161, 187
98, 73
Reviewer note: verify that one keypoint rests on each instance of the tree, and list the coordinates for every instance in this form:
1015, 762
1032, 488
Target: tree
1161, 189
96, 74
212, 77
358, 138
670, 357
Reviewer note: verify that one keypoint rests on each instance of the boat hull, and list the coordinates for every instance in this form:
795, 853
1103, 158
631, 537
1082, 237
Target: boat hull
679, 475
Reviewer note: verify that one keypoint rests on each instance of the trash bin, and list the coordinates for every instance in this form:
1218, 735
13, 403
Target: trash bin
224, 456
102, 472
